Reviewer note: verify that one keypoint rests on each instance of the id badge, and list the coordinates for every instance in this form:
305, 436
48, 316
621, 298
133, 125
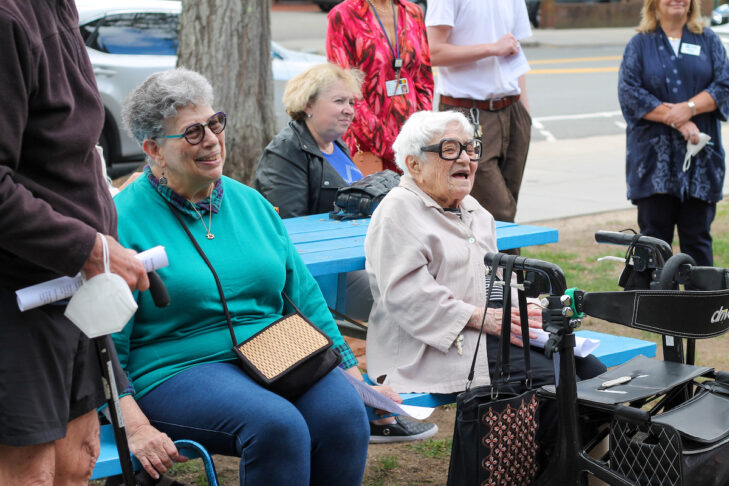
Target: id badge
690, 49
397, 87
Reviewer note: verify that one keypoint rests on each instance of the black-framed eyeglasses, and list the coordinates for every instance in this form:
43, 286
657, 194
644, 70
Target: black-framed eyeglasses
195, 133
451, 148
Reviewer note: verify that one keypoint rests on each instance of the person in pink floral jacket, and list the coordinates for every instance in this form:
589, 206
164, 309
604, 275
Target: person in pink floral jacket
386, 40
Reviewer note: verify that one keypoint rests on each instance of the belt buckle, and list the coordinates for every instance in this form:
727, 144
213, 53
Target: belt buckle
495, 100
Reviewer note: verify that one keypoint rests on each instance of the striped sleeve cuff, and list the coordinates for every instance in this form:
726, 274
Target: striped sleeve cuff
348, 359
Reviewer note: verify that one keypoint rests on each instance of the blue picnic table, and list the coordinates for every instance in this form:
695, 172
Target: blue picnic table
331, 248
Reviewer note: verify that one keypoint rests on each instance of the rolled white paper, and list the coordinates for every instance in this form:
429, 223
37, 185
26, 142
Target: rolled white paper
64, 287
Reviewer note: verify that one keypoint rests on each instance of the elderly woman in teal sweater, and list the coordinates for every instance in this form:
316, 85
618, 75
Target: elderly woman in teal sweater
186, 381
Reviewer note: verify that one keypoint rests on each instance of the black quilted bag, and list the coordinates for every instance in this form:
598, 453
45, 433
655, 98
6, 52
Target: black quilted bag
360, 199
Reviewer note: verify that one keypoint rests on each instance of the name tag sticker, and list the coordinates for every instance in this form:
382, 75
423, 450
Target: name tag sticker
396, 87
690, 49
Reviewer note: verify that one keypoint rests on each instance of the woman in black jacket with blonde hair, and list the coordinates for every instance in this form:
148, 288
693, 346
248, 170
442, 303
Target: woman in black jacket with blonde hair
304, 165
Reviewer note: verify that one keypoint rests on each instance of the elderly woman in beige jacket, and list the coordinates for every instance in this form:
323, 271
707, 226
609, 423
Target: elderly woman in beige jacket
425, 247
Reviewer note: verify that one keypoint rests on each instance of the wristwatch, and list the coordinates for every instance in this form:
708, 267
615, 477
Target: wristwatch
692, 105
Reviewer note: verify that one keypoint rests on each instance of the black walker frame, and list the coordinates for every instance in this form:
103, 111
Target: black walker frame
650, 268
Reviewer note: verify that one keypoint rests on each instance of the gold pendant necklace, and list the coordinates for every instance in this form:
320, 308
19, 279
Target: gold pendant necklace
208, 229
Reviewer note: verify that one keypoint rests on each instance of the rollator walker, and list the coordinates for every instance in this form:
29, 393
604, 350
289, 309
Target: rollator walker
667, 422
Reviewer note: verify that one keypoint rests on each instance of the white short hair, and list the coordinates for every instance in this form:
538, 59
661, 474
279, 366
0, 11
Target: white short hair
420, 129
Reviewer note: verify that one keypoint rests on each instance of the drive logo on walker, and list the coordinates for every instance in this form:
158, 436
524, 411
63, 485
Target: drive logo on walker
720, 315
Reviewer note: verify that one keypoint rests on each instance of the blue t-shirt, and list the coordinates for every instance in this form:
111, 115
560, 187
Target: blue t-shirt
343, 165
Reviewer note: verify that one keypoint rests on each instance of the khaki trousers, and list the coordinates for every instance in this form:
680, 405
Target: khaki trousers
506, 136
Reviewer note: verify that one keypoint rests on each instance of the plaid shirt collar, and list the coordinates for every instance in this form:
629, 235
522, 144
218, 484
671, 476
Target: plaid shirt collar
183, 204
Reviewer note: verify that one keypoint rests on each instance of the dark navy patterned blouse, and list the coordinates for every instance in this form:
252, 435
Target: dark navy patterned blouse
650, 74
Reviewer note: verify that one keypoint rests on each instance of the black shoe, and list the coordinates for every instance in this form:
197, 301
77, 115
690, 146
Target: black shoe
402, 430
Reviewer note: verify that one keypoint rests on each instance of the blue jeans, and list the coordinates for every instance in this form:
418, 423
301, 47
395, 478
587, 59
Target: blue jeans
319, 439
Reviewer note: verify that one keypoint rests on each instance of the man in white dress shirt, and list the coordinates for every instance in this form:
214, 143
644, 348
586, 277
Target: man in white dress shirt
481, 73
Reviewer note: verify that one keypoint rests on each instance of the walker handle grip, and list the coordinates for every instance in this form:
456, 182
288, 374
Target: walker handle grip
625, 239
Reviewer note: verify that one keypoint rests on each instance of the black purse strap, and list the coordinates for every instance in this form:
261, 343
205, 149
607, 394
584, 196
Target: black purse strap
495, 265
502, 374
215, 276
524, 321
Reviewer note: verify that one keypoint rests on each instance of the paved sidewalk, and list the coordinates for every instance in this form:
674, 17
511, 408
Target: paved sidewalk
573, 177
310, 32
577, 176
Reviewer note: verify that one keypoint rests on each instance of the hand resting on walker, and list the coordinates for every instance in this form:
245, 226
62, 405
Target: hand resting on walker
493, 321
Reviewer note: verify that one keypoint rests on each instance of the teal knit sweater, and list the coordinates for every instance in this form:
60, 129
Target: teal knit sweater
254, 259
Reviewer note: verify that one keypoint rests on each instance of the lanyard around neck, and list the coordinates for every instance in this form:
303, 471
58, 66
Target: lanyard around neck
395, 52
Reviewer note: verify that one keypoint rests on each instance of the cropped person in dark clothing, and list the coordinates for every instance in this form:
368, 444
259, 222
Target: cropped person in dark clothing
53, 203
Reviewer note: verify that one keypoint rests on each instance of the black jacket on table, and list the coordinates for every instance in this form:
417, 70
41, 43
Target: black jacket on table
294, 176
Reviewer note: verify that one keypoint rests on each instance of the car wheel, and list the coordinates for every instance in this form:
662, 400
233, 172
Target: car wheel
106, 147
325, 7
109, 141
533, 13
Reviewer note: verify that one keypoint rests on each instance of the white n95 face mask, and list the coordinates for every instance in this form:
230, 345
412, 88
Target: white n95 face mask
103, 304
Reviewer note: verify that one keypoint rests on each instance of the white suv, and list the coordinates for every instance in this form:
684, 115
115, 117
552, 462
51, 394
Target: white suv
129, 40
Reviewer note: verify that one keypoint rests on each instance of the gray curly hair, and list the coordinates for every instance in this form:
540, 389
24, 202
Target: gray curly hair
159, 98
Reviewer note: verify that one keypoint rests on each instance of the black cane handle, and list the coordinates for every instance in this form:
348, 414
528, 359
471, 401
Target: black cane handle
158, 290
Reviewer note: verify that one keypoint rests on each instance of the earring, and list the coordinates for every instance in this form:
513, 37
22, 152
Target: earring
163, 179
308, 115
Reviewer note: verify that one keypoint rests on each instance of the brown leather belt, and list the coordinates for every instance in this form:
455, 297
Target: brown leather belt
490, 105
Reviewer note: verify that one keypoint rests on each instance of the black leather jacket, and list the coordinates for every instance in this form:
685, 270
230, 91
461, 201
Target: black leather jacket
294, 175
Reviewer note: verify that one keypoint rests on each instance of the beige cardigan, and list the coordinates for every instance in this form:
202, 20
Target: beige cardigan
427, 276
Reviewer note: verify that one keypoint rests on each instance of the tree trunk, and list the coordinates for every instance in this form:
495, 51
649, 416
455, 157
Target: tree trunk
229, 42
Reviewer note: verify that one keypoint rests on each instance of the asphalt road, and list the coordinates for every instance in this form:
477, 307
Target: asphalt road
573, 92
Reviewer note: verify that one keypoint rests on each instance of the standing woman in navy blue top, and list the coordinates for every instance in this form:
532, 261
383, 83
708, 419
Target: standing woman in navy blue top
673, 86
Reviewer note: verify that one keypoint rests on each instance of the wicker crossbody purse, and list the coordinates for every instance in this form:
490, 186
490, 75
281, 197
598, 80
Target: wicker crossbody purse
289, 355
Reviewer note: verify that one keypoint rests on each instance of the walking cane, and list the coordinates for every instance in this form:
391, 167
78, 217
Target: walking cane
103, 347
